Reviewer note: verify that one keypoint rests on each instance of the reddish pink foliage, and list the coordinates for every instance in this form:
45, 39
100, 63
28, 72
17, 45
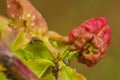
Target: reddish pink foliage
24, 11
91, 39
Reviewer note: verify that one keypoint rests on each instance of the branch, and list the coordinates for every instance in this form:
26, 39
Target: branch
18, 70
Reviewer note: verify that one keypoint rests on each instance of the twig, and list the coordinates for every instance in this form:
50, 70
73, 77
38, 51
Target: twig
18, 70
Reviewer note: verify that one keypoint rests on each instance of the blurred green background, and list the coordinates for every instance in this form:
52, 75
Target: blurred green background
63, 15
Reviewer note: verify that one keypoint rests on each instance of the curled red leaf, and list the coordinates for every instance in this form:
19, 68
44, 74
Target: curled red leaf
91, 39
23, 11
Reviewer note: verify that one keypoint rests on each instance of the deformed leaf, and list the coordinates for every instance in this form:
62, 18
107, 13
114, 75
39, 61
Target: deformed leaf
67, 73
24, 11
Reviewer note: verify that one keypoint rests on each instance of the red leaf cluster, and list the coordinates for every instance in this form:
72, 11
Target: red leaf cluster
91, 39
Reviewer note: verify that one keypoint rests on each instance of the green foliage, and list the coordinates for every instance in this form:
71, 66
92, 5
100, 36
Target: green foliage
2, 76
39, 66
20, 41
48, 75
38, 50
67, 73
38, 55
45, 55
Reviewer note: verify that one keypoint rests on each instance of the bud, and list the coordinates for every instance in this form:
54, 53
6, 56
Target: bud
91, 39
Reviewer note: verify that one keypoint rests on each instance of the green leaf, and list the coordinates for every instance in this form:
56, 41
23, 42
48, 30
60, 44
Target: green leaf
67, 73
9, 35
25, 55
36, 56
38, 50
48, 76
2, 76
39, 66
21, 40
15, 38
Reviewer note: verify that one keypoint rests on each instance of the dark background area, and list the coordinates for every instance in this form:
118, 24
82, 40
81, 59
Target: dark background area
63, 15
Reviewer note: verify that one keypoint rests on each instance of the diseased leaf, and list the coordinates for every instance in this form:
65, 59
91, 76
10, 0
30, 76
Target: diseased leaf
92, 39
67, 73
23, 11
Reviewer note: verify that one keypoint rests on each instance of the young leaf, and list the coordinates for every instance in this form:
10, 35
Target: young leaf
39, 50
9, 35
21, 40
39, 66
67, 73
15, 38
49, 75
